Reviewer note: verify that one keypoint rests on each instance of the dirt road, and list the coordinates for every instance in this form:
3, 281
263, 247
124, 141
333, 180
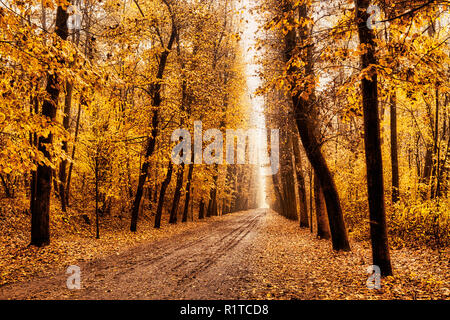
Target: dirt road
211, 262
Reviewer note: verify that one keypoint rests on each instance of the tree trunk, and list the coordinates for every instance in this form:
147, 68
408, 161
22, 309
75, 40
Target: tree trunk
69, 176
212, 205
9, 187
394, 151
96, 197
162, 195
307, 129
374, 161
436, 148
201, 212
427, 166
279, 203
301, 183
323, 226
155, 89
177, 195
63, 164
188, 192
33, 142
287, 179
40, 205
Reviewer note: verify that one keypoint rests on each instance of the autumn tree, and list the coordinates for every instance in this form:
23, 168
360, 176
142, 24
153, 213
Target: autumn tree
374, 161
40, 204
155, 91
302, 102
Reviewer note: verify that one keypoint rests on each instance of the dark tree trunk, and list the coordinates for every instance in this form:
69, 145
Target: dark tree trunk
155, 89
55, 184
307, 129
63, 164
155, 194
8, 186
436, 148
188, 192
40, 205
144, 173
427, 165
96, 197
394, 151
162, 195
374, 162
279, 203
176, 199
201, 212
33, 142
318, 162
323, 227
227, 205
311, 187
212, 205
287, 179
301, 183
69, 176
185, 107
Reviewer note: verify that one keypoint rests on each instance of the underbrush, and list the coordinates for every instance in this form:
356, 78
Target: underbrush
424, 223
410, 224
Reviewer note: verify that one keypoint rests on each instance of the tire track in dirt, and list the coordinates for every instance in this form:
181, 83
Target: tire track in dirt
223, 242
166, 269
242, 232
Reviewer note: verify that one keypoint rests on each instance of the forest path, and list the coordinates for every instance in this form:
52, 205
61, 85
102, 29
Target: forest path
210, 262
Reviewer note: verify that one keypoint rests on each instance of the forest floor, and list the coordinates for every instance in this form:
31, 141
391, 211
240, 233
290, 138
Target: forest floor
248, 255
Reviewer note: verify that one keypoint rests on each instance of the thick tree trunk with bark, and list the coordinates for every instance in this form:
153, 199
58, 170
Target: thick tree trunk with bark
374, 161
287, 178
334, 210
307, 129
40, 204
201, 212
279, 203
304, 222
144, 173
323, 226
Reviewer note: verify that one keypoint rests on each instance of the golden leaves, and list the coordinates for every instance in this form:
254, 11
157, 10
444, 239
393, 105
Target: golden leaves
368, 73
62, 3
48, 4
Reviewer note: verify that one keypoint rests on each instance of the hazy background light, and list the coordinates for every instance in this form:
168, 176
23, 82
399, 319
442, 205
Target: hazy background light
249, 37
